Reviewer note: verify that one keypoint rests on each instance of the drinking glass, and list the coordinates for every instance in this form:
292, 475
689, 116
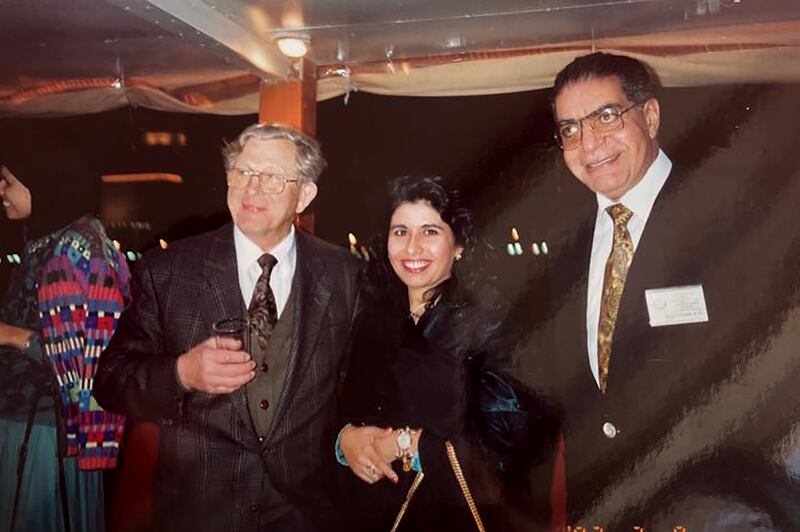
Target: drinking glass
237, 328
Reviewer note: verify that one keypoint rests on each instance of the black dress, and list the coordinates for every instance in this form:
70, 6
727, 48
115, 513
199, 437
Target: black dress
433, 375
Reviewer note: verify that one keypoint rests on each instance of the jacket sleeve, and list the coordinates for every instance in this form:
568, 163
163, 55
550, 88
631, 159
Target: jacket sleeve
515, 426
494, 419
136, 377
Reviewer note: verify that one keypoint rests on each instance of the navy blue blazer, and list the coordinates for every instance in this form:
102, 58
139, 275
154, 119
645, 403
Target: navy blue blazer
701, 413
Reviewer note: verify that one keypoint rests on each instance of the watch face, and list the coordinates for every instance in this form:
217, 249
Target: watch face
404, 440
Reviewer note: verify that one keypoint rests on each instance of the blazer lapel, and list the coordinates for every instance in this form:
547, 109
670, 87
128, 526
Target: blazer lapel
312, 301
654, 266
223, 299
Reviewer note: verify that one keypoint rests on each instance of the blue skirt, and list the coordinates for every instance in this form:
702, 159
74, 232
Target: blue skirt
40, 499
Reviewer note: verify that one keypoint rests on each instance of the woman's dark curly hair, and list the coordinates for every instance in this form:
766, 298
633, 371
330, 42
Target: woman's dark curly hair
382, 283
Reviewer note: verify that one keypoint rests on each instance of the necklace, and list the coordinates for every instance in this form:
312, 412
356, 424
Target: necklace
417, 312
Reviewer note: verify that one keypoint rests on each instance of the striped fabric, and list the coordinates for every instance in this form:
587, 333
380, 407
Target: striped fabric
83, 289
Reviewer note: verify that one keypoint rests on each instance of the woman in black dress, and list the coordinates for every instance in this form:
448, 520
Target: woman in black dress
428, 419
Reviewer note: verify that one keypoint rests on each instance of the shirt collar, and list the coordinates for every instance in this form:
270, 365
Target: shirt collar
285, 246
642, 196
247, 252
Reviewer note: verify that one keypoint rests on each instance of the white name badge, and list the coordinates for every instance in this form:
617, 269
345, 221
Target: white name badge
676, 305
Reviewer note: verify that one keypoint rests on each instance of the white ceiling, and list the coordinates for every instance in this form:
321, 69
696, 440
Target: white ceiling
192, 54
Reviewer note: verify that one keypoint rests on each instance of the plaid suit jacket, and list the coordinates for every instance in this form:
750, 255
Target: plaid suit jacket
211, 464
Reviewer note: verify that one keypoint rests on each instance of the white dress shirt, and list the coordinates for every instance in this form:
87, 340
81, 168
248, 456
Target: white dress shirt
640, 200
247, 254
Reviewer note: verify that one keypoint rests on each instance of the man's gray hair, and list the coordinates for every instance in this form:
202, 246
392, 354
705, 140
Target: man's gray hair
309, 160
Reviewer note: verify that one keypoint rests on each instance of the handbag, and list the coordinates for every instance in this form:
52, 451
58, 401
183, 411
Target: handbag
462, 483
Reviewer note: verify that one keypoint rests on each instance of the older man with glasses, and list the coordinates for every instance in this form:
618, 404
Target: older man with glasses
244, 420
664, 304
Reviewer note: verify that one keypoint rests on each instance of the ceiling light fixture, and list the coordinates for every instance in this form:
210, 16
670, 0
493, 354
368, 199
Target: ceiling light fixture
293, 45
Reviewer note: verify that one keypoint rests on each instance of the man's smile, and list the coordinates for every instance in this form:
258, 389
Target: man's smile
249, 207
602, 162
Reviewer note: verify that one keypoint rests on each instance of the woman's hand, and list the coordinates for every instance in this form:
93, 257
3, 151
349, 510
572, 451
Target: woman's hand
14, 336
359, 447
386, 446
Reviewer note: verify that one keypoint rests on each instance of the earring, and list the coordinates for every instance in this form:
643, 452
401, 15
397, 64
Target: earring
458, 256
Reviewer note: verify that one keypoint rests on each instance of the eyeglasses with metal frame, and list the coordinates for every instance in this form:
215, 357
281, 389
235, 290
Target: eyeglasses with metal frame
603, 121
268, 182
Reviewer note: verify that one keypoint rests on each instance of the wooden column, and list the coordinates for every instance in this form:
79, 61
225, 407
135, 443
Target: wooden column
293, 103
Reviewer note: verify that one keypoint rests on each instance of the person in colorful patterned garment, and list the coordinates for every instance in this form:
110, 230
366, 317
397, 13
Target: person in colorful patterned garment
59, 311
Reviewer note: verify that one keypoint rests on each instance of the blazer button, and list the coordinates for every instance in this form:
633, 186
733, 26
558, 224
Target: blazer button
254, 507
264, 367
610, 430
264, 404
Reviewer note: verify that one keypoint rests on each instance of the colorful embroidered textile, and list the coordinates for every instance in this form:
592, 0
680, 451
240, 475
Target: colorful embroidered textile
83, 289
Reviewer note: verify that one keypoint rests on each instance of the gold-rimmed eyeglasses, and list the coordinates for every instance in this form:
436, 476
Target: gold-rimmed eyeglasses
268, 182
603, 121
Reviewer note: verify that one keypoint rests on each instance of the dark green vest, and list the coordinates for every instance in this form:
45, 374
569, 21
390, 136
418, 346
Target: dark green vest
271, 364
265, 389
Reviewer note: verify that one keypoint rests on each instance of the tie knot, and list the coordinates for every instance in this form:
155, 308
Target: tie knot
619, 213
267, 262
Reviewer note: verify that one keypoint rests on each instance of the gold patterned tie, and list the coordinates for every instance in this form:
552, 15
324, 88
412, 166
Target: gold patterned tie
263, 311
619, 260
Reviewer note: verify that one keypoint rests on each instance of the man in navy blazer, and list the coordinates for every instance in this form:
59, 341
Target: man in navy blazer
692, 424
244, 439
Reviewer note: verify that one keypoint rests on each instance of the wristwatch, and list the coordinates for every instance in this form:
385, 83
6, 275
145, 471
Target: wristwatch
404, 448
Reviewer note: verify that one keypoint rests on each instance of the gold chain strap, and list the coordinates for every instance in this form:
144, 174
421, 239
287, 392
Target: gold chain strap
411, 491
462, 482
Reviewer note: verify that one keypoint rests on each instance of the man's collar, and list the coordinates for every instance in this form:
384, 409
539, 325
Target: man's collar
285, 246
248, 252
642, 196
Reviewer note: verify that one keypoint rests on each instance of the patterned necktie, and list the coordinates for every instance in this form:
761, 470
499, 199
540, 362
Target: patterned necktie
263, 310
619, 260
